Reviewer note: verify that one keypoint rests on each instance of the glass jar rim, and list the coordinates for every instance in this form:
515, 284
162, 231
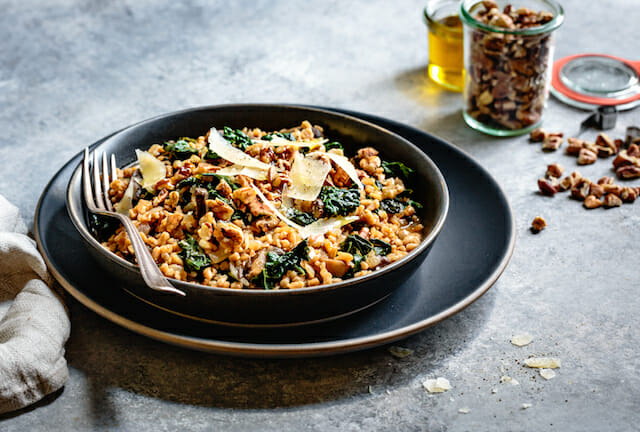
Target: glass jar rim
428, 19
556, 21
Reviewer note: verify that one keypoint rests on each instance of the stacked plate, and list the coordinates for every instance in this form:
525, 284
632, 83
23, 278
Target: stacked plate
474, 242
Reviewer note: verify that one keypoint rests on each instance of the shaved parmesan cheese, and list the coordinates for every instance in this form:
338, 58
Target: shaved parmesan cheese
152, 169
126, 203
318, 227
547, 373
347, 166
307, 176
275, 211
277, 141
322, 226
543, 362
400, 352
228, 152
437, 385
234, 170
522, 340
508, 380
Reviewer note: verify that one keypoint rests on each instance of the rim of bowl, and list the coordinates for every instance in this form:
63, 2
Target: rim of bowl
558, 17
80, 225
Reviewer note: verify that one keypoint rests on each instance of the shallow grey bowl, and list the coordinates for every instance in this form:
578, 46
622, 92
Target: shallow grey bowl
275, 307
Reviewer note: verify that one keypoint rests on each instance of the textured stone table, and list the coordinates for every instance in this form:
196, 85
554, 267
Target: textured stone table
74, 71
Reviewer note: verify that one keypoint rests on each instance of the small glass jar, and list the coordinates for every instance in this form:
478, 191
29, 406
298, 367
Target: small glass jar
444, 33
508, 63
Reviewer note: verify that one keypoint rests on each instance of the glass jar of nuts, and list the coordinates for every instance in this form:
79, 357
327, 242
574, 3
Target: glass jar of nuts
508, 50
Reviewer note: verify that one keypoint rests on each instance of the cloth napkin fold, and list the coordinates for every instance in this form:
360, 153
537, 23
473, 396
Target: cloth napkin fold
35, 327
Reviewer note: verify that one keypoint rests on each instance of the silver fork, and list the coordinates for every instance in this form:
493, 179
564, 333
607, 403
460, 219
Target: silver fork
99, 203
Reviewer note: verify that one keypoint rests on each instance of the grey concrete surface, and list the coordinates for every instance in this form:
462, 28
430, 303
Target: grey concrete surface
73, 71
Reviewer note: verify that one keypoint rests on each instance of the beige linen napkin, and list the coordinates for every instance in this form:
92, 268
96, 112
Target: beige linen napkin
36, 326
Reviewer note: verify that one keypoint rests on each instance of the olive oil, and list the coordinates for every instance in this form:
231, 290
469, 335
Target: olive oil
446, 65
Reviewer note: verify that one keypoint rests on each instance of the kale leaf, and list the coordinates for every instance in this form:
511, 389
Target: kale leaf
355, 244
194, 257
339, 201
357, 260
414, 204
181, 149
396, 169
360, 247
189, 181
332, 145
198, 180
286, 135
211, 155
300, 217
392, 206
381, 247
237, 138
395, 205
278, 265
103, 227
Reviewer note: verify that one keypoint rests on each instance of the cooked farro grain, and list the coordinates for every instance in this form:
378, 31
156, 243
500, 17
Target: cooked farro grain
218, 230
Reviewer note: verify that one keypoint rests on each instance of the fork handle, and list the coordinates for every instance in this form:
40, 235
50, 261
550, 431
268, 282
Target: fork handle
148, 267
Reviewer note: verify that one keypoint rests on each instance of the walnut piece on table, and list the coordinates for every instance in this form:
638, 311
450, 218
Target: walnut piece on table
538, 224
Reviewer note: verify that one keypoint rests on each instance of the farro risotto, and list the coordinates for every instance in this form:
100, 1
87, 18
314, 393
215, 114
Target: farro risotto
250, 209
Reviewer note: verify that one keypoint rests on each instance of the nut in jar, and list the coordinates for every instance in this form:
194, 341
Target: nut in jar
508, 60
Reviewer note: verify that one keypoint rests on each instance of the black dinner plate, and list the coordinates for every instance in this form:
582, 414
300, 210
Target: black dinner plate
472, 251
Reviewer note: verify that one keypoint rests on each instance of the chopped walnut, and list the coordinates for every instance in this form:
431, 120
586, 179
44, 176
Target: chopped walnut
629, 194
538, 224
592, 202
537, 135
596, 190
605, 180
548, 186
611, 200
628, 172
570, 181
581, 190
634, 150
574, 145
623, 158
554, 170
586, 156
552, 142
605, 145
612, 188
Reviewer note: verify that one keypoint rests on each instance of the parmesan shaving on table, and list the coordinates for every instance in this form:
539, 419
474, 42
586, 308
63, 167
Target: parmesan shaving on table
543, 362
522, 340
438, 385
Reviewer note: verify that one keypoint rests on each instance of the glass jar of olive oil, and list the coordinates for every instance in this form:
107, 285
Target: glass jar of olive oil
446, 60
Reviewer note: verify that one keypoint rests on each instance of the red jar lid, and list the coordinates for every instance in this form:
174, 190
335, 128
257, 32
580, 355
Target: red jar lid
591, 80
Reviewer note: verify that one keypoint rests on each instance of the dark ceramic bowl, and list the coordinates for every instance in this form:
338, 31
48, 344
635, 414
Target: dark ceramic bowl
275, 307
